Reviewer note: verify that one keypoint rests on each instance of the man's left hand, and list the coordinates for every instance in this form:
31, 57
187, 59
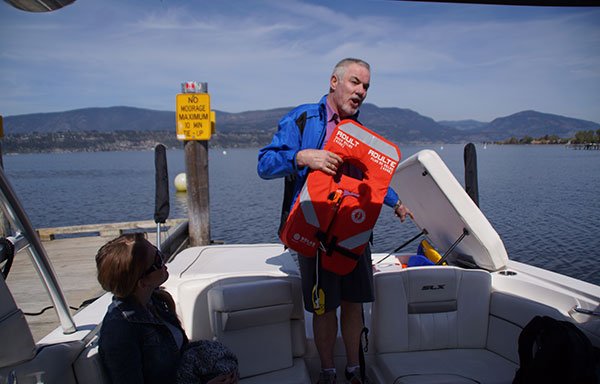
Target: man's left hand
401, 211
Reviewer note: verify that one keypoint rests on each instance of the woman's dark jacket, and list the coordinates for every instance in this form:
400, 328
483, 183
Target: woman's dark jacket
135, 346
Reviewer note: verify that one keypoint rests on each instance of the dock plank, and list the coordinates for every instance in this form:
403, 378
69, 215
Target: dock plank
73, 260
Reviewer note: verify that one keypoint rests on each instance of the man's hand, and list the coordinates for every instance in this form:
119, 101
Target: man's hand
401, 211
319, 159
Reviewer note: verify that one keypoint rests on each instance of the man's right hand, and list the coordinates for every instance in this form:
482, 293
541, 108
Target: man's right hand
319, 159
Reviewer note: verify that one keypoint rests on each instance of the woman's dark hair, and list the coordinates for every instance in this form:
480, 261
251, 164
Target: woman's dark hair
121, 263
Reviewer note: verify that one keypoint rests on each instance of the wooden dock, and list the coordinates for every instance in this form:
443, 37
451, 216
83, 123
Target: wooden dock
73, 260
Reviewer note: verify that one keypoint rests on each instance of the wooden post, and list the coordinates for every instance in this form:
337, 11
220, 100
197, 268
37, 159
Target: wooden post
196, 164
193, 118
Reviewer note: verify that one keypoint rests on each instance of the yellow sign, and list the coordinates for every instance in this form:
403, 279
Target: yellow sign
193, 116
213, 122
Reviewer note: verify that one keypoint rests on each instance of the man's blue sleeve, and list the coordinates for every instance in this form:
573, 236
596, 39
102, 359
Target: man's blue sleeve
391, 197
278, 159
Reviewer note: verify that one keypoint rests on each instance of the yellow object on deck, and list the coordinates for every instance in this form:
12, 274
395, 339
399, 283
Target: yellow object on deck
430, 252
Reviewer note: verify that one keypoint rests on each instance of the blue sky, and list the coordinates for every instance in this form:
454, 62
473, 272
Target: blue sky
448, 62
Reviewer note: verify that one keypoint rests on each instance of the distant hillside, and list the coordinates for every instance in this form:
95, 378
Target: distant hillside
114, 119
37, 132
406, 126
534, 124
402, 125
249, 121
91, 119
463, 125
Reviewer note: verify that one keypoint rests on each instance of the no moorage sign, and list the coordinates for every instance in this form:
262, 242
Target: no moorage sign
193, 116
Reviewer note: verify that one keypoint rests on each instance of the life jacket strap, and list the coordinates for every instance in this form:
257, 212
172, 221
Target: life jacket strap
332, 246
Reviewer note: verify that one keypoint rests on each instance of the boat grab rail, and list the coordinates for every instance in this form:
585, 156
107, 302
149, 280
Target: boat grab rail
19, 221
586, 311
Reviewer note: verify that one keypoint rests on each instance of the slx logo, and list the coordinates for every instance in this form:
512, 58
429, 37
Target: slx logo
432, 287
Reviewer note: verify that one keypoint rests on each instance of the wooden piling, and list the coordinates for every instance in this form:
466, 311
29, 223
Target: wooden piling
196, 163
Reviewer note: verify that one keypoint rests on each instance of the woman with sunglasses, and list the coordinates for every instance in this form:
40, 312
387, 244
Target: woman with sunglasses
141, 337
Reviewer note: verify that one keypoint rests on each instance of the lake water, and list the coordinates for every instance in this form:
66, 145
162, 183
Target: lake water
542, 200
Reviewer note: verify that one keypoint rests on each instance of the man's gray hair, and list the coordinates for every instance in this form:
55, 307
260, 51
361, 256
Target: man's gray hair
340, 67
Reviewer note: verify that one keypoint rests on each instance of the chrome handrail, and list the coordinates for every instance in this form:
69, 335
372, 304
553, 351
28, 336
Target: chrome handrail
585, 311
13, 210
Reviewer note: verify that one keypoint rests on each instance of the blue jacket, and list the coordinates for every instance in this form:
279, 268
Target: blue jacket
278, 159
135, 347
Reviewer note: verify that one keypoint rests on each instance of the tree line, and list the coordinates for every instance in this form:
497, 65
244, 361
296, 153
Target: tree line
96, 141
93, 141
581, 137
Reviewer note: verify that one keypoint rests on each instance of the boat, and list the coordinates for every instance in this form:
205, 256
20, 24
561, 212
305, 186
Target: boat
458, 321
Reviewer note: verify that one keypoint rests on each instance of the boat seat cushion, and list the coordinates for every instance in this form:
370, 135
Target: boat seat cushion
452, 366
254, 319
296, 374
89, 367
14, 330
430, 325
426, 308
192, 304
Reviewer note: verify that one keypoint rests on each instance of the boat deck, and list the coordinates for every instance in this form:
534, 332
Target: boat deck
73, 260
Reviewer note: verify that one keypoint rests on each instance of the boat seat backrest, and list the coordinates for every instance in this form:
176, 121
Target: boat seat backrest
429, 308
192, 306
14, 331
88, 367
255, 319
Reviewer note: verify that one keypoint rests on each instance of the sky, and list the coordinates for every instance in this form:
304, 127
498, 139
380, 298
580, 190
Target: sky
444, 61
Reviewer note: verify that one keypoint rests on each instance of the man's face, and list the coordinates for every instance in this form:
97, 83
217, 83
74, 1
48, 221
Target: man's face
350, 91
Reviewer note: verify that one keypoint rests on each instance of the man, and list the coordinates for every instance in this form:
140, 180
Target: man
295, 149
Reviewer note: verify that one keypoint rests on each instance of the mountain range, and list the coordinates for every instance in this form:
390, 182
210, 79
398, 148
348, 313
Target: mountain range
397, 124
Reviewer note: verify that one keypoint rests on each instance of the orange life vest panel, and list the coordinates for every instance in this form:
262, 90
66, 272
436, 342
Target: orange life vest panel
335, 215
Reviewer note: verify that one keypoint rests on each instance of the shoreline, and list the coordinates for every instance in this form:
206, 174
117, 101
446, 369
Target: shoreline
221, 146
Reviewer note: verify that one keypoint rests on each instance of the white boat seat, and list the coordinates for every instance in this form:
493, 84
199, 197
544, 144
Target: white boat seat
88, 367
430, 325
254, 319
14, 331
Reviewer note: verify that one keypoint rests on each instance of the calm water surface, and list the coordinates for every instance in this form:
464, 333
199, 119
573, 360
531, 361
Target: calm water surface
542, 200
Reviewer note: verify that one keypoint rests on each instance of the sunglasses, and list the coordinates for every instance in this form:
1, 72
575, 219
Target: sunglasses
159, 262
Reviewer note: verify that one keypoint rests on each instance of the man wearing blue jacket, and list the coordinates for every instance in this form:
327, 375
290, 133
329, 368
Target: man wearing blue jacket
296, 149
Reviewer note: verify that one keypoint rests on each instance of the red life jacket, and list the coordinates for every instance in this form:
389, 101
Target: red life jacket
335, 215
